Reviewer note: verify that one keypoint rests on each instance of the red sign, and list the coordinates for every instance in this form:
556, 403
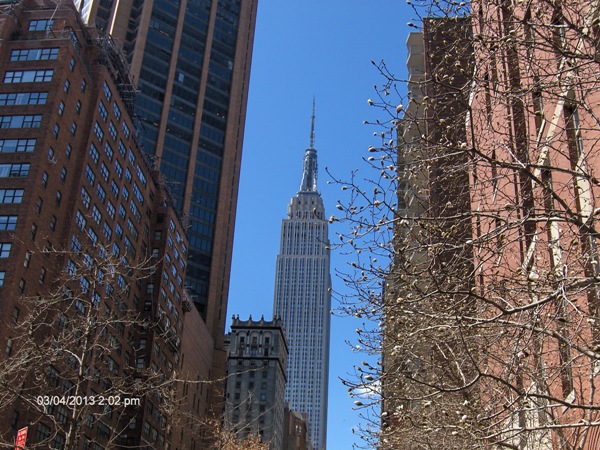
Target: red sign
21, 438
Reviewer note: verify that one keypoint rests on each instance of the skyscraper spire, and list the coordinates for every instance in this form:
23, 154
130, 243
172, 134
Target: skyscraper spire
309, 171
312, 127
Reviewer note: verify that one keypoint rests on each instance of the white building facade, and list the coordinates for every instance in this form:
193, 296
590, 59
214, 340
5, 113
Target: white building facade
303, 300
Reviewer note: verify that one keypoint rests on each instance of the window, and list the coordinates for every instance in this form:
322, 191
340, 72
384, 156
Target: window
138, 193
75, 244
134, 209
126, 130
11, 195
85, 197
71, 268
63, 174
53, 223
106, 230
84, 283
68, 151
98, 132
132, 229
110, 208
14, 170
58, 442
61, 108
140, 174
55, 131
117, 111
72, 64
73, 128
103, 112
67, 85
34, 54
27, 260
83, 85
101, 193
129, 247
25, 121
17, 145
96, 215
89, 174
112, 131
5, 249
119, 231
122, 149
42, 276
25, 98
15, 314
93, 236
74, 39
118, 169
28, 76
114, 188
80, 220
38, 205
78, 107
107, 92
108, 151
8, 222
41, 25
94, 153
58, 198
104, 172
44, 179
33, 231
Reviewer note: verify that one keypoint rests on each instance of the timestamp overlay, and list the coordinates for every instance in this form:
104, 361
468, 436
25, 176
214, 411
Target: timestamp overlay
87, 400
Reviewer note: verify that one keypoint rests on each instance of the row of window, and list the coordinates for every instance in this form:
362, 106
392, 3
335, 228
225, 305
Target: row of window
21, 121
28, 76
34, 54
17, 145
23, 98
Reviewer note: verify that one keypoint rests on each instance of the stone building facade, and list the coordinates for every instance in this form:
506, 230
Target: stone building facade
256, 380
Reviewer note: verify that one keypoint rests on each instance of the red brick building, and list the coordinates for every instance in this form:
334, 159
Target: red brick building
503, 354
92, 255
535, 161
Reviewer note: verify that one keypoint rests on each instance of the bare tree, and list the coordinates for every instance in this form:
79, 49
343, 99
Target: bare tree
70, 378
474, 244
223, 438
64, 370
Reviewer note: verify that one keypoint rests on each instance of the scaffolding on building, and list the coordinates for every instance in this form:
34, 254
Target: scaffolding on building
114, 60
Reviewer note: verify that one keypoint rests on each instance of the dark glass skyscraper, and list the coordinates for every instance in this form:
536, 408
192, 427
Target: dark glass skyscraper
190, 60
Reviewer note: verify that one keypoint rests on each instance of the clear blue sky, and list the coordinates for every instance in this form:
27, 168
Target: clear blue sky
320, 48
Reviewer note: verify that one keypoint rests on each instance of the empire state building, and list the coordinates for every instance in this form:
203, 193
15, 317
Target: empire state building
303, 299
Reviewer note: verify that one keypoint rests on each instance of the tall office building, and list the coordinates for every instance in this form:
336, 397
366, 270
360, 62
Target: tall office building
303, 299
190, 60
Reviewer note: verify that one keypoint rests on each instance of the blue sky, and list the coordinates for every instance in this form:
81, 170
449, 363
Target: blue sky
304, 49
